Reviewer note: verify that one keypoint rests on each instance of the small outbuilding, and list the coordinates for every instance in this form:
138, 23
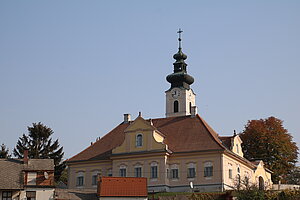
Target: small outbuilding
122, 188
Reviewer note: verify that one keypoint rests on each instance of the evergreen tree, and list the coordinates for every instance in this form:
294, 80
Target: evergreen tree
4, 151
40, 146
268, 140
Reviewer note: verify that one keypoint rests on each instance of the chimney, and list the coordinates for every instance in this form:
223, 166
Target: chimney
25, 159
127, 118
193, 111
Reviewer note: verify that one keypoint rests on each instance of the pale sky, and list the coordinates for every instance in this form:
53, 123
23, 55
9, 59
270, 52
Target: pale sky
78, 66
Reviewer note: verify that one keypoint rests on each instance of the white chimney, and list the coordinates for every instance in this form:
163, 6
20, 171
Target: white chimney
127, 118
193, 111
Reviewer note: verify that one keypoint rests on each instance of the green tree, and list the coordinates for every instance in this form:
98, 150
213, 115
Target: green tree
40, 146
293, 177
4, 152
268, 140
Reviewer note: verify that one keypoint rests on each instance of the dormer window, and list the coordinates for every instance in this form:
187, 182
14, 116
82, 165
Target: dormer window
139, 140
31, 178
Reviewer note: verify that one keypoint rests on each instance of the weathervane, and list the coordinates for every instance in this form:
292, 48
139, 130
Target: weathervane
179, 37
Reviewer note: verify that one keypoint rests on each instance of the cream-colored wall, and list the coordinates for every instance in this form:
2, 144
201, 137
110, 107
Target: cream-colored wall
145, 163
237, 146
87, 168
165, 162
186, 96
232, 163
252, 173
260, 171
152, 140
199, 160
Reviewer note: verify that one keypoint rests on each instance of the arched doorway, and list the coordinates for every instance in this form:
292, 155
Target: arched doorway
261, 183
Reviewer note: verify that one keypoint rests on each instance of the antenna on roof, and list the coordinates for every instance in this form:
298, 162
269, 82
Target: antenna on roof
46, 175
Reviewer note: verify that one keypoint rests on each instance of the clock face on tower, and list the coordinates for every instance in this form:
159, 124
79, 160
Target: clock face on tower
175, 93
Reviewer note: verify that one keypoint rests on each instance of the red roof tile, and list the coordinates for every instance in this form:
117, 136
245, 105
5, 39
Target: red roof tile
101, 147
226, 140
122, 187
182, 134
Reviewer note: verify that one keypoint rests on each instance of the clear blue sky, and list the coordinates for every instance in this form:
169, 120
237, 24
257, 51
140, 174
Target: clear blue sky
78, 66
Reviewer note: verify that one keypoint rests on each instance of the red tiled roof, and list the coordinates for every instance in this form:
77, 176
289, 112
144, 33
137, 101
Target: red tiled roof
182, 134
122, 187
111, 140
188, 133
226, 140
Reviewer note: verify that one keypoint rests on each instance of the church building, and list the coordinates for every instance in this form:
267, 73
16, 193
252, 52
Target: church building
175, 153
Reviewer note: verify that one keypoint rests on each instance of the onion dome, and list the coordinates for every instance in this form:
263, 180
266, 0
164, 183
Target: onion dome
180, 77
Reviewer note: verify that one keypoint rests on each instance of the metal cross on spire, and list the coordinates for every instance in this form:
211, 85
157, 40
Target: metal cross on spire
179, 37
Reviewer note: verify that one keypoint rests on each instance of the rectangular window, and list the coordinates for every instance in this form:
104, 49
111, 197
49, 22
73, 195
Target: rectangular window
31, 178
230, 173
153, 172
123, 172
31, 195
208, 171
138, 172
174, 173
109, 173
168, 173
191, 172
79, 181
7, 195
94, 179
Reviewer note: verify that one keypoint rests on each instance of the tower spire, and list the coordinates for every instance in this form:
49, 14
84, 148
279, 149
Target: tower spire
180, 77
179, 37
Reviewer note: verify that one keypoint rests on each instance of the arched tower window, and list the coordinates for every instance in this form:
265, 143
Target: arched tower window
176, 106
190, 107
139, 140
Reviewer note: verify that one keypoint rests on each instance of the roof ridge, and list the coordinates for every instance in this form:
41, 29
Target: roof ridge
101, 138
211, 131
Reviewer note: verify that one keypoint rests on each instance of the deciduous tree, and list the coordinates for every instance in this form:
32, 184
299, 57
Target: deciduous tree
268, 140
40, 146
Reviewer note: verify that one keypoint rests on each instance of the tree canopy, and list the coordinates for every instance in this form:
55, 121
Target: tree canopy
4, 152
41, 146
267, 140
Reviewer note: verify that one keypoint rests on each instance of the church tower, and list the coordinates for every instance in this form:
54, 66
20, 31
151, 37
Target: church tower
180, 98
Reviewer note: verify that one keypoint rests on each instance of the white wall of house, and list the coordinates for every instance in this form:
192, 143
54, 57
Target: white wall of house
41, 193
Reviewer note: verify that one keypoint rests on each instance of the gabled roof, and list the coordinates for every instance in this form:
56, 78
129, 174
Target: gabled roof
11, 171
182, 134
122, 187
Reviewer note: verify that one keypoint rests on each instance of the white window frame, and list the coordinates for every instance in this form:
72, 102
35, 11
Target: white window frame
123, 167
138, 173
174, 168
31, 178
191, 166
95, 173
80, 175
208, 169
154, 165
